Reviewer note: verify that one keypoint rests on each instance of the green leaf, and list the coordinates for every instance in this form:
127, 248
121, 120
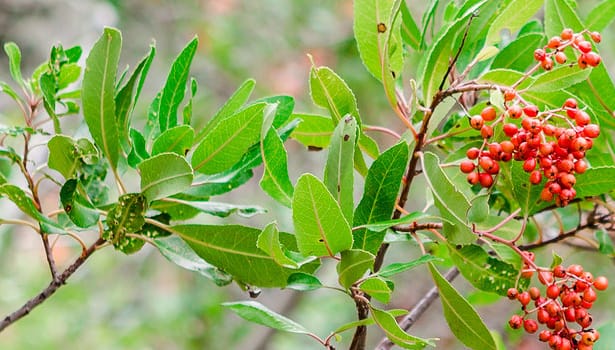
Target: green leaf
396, 268
462, 319
164, 175
314, 131
177, 139
600, 16
67, 155
483, 271
124, 100
383, 225
410, 33
232, 248
339, 172
269, 242
78, 208
559, 15
353, 265
440, 53
605, 242
187, 111
275, 181
303, 282
97, 93
451, 203
607, 340
229, 140
559, 78
319, 223
595, 181
14, 55
174, 89
176, 207
518, 55
230, 107
393, 331
377, 288
379, 195
126, 216
25, 203
479, 208
178, 252
69, 73
512, 17
284, 108
138, 153
258, 313
524, 193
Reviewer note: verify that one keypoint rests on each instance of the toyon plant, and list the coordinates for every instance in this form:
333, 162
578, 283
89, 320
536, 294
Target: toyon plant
507, 119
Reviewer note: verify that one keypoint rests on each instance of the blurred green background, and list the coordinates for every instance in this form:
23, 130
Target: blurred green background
143, 301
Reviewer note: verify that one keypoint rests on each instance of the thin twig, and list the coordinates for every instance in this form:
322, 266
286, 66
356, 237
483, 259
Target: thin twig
53, 286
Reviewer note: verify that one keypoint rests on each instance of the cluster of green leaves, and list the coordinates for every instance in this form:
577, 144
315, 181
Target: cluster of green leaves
181, 170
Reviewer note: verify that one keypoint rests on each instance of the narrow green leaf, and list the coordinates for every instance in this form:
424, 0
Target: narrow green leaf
76, 206
396, 268
284, 108
175, 206
164, 175
512, 17
462, 318
178, 140
275, 181
69, 73
230, 107
353, 266
314, 131
451, 203
559, 78
178, 252
14, 54
269, 242
600, 16
175, 87
377, 288
482, 270
47, 84
303, 282
97, 93
126, 97
187, 111
379, 196
406, 219
232, 248
410, 32
440, 53
518, 55
320, 226
559, 15
126, 216
229, 140
393, 331
25, 203
7, 89
138, 153
258, 313
339, 172
605, 242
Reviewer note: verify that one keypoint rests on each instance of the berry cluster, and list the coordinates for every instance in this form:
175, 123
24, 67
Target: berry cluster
569, 295
568, 38
546, 150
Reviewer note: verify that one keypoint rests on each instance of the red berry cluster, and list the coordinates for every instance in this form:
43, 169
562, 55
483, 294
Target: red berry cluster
556, 45
546, 150
569, 294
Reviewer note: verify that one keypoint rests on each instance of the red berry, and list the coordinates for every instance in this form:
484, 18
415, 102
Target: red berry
567, 34
530, 326
584, 46
530, 111
512, 293
596, 37
567, 180
515, 322
477, 122
589, 295
507, 146
601, 283
560, 57
466, 166
535, 177
524, 298
547, 64
576, 270
544, 335
581, 118
570, 103
488, 113
514, 111
529, 164
592, 59
546, 195
473, 178
509, 95
582, 61
580, 166
553, 291
485, 180
486, 131
554, 42
472, 153
534, 293
591, 130
539, 54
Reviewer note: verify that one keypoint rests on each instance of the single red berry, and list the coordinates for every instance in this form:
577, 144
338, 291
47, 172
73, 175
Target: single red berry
581, 118
591, 130
567, 180
488, 113
553, 309
530, 326
539, 54
512, 293
507, 146
553, 291
535, 177
485, 180
509, 95
544, 335
472, 153
575, 269
584, 46
589, 295
515, 322
567, 34
542, 316
486, 131
530, 111
570, 314
559, 271
524, 298
547, 63
534, 293
554, 42
601, 283
571, 103
596, 37
546, 195
580, 166
477, 122
592, 59
585, 322
560, 57
466, 166
514, 111
555, 342
582, 61
473, 178
529, 164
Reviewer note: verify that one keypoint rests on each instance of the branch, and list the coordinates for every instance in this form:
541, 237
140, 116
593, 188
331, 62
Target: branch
419, 308
51, 288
